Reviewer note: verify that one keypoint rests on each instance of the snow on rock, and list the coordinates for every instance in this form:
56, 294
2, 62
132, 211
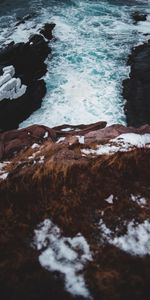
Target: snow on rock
3, 173
35, 146
136, 241
61, 139
134, 139
80, 139
139, 200
41, 160
45, 135
123, 143
65, 255
110, 199
10, 88
66, 129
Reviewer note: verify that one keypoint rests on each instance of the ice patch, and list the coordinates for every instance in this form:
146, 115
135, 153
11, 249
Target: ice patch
65, 255
135, 242
10, 88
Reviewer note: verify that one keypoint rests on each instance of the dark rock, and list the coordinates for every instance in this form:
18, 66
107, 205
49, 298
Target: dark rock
136, 89
47, 29
27, 58
137, 17
25, 18
13, 112
28, 61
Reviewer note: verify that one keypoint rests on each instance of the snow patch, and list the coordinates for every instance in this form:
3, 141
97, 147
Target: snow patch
123, 143
35, 146
61, 139
135, 242
110, 199
139, 200
45, 135
63, 254
3, 173
41, 160
80, 139
66, 129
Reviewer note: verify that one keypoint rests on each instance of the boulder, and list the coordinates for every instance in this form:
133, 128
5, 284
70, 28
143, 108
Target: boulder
137, 17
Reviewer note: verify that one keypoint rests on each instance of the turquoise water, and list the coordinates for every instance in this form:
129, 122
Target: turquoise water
88, 64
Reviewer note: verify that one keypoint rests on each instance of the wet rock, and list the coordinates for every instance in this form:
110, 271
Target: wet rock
27, 60
136, 89
137, 17
47, 30
13, 112
24, 19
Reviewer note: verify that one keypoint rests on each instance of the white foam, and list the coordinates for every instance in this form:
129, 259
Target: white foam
65, 255
88, 64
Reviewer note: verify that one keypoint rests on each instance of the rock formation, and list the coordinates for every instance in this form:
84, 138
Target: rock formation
138, 17
136, 89
27, 61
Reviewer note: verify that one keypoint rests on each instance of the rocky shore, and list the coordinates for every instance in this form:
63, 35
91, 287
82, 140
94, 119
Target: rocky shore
28, 61
74, 200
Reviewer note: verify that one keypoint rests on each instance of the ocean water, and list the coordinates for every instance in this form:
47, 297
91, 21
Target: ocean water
89, 54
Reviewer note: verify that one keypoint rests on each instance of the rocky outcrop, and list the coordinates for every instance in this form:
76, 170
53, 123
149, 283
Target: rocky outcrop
138, 17
47, 30
136, 89
92, 187
27, 60
11, 142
